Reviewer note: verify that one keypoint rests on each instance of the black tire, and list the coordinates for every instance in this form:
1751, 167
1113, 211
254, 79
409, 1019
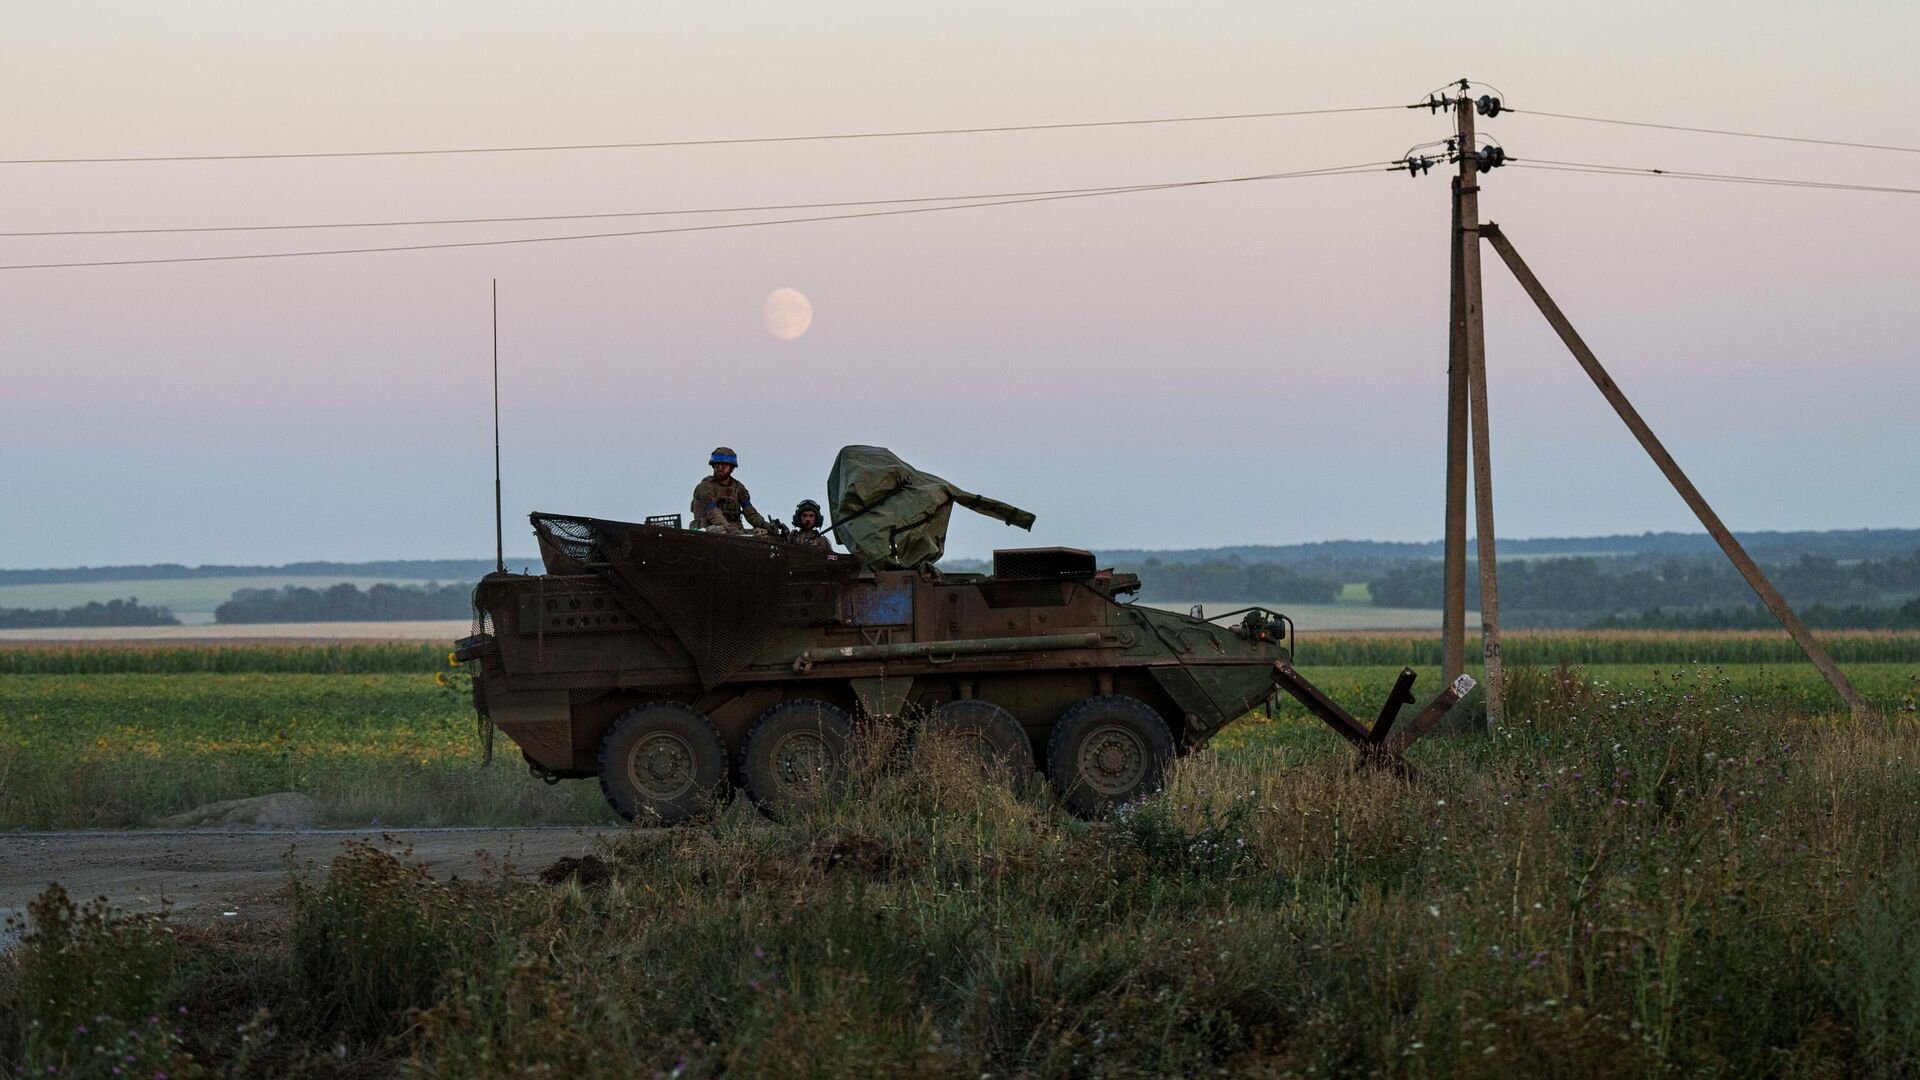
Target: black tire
662, 763
1003, 746
796, 755
1108, 751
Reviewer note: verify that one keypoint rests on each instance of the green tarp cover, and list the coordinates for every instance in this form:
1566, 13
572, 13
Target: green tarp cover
892, 516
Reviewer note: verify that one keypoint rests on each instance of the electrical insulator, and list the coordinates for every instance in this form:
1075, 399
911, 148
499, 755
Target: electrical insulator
1416, 166
1437, 104
1488, 105
1489, 159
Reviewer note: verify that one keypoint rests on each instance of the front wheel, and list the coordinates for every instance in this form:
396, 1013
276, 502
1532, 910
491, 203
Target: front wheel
1108, 751
662, 763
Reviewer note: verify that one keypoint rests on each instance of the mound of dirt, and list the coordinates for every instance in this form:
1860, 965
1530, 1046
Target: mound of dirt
280, 810
589, 870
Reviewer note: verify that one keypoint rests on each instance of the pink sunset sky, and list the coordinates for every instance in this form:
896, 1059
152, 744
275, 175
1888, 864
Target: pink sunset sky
1253, 363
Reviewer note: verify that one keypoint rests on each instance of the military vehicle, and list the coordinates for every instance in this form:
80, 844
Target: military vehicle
677, 664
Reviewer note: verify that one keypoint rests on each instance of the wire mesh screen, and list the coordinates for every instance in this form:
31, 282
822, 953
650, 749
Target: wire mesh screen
725, 598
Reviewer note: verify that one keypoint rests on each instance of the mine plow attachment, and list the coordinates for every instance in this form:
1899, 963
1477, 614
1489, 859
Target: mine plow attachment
1378, 744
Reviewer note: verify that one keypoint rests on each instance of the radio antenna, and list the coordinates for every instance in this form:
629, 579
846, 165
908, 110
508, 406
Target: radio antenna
499, 545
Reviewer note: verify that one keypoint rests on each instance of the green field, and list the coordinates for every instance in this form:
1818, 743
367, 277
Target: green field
113, 750
104, 737
1644, 875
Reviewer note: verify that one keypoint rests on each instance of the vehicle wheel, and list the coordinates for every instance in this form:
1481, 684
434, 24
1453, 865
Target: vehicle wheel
989, 730
1108, 751
795, 755
662, 763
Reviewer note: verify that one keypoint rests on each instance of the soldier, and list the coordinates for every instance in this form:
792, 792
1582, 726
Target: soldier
720, 501
806, 526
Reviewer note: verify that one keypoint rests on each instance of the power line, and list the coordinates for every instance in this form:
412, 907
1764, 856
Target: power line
1678, 174
1719, 131
1108, 188
1338, 170
696, 142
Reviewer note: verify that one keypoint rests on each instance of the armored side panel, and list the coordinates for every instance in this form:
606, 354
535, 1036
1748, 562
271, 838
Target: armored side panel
722, 598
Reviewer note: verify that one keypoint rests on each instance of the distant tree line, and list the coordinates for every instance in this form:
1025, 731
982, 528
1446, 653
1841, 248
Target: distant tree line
129, 612
345, 602
1230, 580
1602, 587
1756, 617
1768, 546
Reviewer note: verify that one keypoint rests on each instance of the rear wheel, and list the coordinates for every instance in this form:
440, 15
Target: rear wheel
795, 755
1108, 751
985, 729
662, 763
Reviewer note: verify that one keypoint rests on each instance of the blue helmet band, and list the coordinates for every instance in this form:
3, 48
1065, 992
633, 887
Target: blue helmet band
724, 459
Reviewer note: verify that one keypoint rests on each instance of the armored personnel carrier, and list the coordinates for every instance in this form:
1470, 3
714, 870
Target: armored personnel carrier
676, 664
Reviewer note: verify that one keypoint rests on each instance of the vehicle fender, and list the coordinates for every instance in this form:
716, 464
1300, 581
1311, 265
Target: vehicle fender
540, 722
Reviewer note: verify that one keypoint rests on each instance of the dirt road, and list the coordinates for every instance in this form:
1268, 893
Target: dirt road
210, 874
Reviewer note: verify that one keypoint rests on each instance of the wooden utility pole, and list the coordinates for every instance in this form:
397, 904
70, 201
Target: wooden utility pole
499, 541
1695, 501
1475, 340
1454, 619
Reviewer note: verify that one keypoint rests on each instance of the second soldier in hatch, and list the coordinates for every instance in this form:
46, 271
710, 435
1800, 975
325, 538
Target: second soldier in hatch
720, 501
806, 526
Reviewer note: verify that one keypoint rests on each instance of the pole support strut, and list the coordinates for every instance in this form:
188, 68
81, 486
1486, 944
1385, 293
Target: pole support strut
1671, 469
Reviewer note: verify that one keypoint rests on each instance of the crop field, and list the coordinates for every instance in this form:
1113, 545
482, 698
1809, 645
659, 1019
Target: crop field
1641, 875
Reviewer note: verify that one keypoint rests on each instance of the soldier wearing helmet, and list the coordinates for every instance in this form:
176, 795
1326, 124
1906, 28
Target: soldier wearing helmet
720, 501
806, 526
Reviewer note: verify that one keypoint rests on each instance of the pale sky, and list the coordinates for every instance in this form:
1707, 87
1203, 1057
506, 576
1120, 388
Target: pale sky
1259, 363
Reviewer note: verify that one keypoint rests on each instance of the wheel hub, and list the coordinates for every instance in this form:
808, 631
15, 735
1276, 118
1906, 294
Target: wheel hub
662, 765
803, 759
1113, 761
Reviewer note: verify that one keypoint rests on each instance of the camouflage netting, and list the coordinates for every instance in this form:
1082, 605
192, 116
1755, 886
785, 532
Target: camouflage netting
724, 597
893, 516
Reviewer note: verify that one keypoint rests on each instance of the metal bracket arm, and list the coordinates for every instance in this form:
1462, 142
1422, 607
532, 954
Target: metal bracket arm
1374, 745
1319, 704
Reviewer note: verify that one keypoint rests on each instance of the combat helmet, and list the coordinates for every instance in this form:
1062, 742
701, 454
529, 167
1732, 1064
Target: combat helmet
804, 506
723, 455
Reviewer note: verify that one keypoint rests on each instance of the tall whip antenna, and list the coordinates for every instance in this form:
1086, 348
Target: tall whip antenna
499, 545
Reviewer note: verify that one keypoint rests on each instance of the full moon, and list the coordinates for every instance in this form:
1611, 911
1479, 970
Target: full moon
787, 313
